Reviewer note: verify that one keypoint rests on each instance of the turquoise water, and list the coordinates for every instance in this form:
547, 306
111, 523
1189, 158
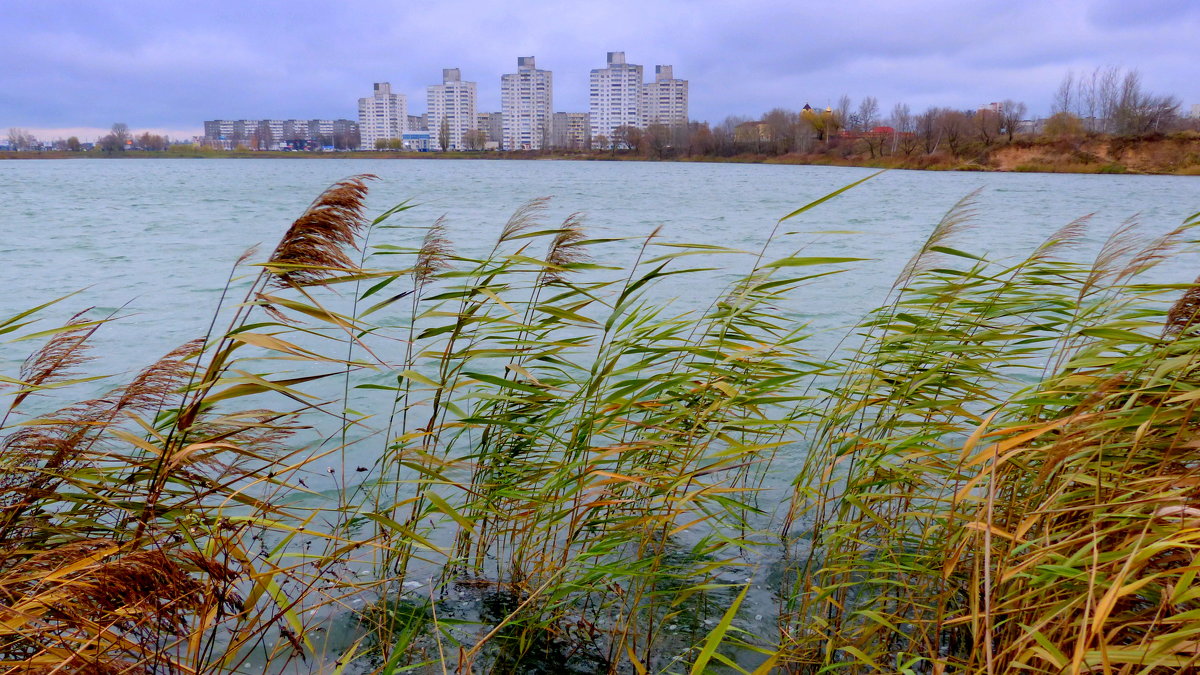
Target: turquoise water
157, 237
152, 241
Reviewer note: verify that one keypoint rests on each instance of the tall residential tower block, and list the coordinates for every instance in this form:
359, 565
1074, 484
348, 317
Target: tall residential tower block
615, 97
527, 104
451, 112
382, 116
665, 100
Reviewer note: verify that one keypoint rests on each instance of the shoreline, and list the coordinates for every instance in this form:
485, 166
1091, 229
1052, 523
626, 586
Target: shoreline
1026, 157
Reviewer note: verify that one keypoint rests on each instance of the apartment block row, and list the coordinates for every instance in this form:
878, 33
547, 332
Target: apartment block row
340, 134
617, 98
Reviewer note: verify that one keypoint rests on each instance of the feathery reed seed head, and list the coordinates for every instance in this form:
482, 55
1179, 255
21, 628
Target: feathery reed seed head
314, 247
566, 248
434, 254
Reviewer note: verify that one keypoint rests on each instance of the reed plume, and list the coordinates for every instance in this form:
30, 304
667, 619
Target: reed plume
956, 220
434, 255
314, 247
88, 606
58, 358
524, 218
1184, 312
566, 249
1065, 236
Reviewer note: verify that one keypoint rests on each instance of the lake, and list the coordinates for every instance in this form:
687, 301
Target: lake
157, 237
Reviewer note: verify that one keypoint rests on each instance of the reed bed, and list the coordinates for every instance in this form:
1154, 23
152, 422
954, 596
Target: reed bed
565, 473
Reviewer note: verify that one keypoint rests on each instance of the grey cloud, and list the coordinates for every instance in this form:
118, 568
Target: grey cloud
79, 62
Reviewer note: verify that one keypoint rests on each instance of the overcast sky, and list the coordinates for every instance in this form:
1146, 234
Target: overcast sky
80, 65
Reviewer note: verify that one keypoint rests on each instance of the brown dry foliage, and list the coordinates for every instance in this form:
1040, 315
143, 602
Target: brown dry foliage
315, 246
1184, 312
93, 607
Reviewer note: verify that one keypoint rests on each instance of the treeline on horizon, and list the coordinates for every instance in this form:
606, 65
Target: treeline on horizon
1107, 103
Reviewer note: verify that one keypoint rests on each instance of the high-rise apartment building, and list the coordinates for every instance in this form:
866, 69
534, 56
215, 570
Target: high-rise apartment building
492, 125
451, 111
615, 97
665, 100
382, 116
341, 134
571, 131
526, 104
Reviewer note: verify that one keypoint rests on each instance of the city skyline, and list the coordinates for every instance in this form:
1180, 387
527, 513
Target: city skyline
82, 66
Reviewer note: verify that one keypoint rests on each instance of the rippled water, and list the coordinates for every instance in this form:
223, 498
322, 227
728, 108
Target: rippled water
153, 240
157, 237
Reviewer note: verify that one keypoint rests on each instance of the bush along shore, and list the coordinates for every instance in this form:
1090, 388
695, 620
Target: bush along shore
998, 471
1057, 152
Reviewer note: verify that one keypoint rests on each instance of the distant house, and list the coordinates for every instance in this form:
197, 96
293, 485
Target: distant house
752, 132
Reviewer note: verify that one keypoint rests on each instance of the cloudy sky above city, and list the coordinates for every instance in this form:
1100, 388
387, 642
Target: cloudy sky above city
80, 65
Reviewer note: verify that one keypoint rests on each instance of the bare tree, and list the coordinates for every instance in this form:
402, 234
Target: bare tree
1139, 112
120, 132
1106, 97
842, 112
701, 141
629, 137
902, 129
1011, 114
867, 116
954, 126
152, 142
1064, 97
987, 124
725, 134
928, 130
474, 139
657, 137
20, 140
781, 128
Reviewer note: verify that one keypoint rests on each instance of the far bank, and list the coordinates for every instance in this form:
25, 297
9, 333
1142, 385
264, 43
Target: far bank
1168, 154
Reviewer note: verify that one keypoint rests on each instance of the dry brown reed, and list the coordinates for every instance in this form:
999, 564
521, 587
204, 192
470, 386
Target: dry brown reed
315, 246
1184, 312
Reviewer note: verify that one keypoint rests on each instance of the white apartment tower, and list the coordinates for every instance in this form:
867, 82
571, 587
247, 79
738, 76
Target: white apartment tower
382, 116
615, 97
451, 109
665, 100
526, 104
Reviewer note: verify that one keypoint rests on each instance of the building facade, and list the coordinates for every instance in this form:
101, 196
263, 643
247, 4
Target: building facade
340, 134
382, 116
571, 131
492, 126
665, 100
526, 105
615, 97
451, 110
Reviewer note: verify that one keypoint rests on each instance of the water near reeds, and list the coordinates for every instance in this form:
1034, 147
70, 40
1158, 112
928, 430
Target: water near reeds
153, 239
161, 234
153, 242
